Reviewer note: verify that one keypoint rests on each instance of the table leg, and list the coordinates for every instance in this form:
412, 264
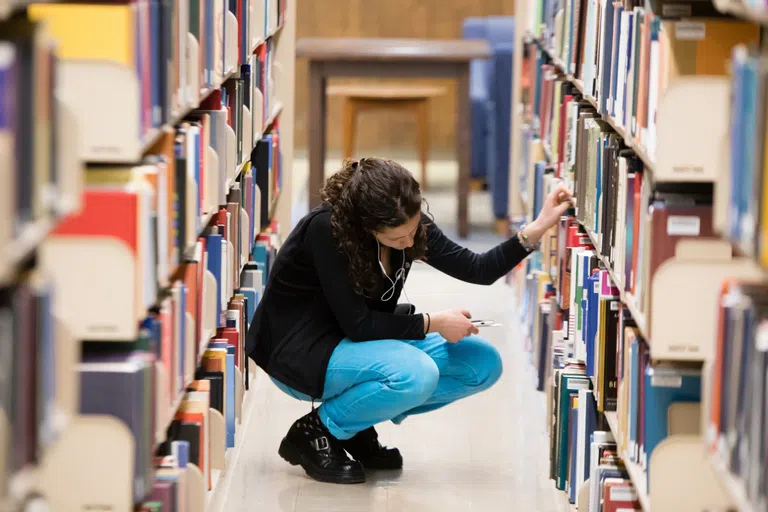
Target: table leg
316, 127
463, 148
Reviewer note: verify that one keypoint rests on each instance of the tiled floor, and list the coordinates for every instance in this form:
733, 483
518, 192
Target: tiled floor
487, 453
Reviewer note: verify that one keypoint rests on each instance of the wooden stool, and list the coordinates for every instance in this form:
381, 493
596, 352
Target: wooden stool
364, 97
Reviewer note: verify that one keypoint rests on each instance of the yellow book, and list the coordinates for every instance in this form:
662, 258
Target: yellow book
91, 32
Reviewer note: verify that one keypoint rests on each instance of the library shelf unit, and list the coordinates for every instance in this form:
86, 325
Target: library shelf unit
677, 314
223, 121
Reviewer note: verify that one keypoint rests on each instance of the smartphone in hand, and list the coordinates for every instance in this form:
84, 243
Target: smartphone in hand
485, 323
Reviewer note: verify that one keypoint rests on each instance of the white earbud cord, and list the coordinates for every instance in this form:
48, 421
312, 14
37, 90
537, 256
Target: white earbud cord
400, 274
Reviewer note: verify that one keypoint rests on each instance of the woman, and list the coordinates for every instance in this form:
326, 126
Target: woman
329, 327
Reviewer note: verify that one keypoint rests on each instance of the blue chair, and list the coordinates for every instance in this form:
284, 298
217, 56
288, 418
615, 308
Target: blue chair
490, 94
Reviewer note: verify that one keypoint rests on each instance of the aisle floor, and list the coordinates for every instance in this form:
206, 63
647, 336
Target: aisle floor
488, 452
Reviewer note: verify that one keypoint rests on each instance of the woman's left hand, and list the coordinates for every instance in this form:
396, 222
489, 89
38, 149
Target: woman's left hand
555, 205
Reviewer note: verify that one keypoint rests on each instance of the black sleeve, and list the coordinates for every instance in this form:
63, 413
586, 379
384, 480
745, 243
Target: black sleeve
356, 319
461, 263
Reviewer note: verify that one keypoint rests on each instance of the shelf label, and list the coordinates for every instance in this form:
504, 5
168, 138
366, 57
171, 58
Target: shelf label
676, 10
666, 381
577, 384
623, 493
683, 225
690, 30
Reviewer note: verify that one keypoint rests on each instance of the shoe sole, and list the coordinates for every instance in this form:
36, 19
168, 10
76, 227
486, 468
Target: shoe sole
293, 456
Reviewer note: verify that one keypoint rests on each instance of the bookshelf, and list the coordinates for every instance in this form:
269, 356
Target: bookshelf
146, 246
632, 294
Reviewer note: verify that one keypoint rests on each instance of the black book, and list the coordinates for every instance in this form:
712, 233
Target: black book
181, 191
260, 165
217, 387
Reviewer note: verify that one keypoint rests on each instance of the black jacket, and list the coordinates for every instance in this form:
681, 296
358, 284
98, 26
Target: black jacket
309, 304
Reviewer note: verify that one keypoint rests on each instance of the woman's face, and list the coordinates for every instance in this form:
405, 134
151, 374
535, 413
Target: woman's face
402, 236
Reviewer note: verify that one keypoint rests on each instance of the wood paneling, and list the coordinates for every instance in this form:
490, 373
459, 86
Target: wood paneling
434, 19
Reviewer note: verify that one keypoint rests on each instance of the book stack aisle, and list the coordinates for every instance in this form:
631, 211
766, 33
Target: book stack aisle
144, 178
645, 311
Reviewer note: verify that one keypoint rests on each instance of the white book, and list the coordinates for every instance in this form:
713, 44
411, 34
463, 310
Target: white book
588, 62
653, 97
598, 439
621, 77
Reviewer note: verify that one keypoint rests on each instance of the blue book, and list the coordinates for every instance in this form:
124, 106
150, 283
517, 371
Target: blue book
252, 297
630, 41
180, 451
196, 165
737, 138
155, 61
634, 376
747, 207
213, 246
665, 385
593, 298
209, 28
230, 400
261, 256
573, 425
591, 407
630, 230
538, 186
605, 64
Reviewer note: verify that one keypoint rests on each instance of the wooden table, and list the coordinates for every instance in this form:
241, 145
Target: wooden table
391, 58
413, 99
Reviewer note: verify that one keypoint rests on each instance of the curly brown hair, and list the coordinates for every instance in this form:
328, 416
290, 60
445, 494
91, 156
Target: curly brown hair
368, 196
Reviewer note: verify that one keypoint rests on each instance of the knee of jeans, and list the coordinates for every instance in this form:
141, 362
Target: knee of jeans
418, 377
489, 366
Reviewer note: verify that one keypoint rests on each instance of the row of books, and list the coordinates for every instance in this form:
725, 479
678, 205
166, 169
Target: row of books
207, 372
180, 204
189, 355
737, 419
635, 226
192, 338
28, 372
34, 177
747, 211
582, 447
154, 41
626, 56
592, 362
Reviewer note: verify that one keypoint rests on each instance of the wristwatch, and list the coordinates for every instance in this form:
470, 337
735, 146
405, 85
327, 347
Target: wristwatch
527, 245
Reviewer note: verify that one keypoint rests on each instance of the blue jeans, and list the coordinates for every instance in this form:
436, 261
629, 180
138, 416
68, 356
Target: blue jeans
374, 381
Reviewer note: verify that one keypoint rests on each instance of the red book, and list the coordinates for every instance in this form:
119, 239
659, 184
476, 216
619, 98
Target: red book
213, 101
232, 336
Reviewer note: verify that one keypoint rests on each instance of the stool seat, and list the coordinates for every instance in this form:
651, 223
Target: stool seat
390, 92
413, 98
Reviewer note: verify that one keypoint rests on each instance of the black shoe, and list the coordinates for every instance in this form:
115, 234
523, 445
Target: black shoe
365, 447
309, 444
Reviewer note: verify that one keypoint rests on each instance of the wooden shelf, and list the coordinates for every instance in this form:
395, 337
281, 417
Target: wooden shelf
629, 140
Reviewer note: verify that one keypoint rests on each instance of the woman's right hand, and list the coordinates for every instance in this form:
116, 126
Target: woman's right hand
453, 325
